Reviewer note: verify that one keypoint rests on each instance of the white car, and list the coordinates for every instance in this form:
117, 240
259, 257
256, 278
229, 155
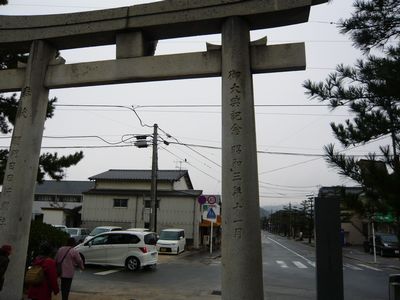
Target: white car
101, 229
138, 229
129, 249
172, 240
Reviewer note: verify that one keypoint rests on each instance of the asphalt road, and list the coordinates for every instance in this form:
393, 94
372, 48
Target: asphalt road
289, 270
289, 273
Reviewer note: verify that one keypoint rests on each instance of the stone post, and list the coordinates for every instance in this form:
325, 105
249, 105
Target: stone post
328, 250
22, 166
242, 276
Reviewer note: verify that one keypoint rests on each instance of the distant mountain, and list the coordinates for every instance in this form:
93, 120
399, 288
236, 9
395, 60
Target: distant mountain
266, 210
263, 212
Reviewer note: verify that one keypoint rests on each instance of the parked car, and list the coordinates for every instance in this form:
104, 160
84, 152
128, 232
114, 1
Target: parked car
61, 227
101, 229
131, 249
138, 229
171, 240
385, 244
79, 234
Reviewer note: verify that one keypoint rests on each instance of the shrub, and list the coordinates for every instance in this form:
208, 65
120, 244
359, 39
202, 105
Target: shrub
40, 233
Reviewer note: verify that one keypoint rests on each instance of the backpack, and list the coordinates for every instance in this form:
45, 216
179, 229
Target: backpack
34, 275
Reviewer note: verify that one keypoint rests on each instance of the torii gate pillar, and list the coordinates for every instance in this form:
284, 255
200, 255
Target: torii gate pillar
240, 205
135, 30
22, 165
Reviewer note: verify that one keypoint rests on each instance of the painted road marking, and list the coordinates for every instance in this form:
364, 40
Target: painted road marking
290, 250
369, 267
352, 267
282, 264
107, 272
300, 265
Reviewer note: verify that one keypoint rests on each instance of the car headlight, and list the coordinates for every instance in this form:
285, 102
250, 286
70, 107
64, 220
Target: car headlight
386, 244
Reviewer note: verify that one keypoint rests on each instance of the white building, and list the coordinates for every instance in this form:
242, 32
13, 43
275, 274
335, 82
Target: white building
122, 198
60, 202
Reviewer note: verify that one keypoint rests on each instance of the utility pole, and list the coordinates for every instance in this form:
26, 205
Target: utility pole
310, 208
153, 215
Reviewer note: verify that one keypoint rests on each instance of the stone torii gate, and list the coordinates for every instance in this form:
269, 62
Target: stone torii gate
135, 30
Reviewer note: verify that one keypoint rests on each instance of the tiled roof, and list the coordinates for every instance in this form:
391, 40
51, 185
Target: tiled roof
118, 192
166, 175
63, 187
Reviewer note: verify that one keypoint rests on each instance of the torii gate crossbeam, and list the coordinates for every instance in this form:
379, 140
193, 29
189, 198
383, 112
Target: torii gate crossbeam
135, 30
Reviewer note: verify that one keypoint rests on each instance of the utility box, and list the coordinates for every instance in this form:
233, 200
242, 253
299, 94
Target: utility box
394, 287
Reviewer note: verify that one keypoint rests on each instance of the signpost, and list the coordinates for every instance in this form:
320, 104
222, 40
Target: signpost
210, 213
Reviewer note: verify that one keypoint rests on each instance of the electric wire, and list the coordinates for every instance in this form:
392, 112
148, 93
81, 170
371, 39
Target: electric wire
173, 154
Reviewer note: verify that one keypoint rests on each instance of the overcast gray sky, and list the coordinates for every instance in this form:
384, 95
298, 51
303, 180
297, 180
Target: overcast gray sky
299, 130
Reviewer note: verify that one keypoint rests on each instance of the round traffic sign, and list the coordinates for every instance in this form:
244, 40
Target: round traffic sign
201, 199
211, 199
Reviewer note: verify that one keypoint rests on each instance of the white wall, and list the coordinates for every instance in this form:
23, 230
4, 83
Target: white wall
100, 208
180, 184
175, 212
54, 217
38, 205
179, 212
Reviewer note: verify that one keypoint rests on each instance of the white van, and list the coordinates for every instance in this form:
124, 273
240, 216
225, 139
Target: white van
172, 240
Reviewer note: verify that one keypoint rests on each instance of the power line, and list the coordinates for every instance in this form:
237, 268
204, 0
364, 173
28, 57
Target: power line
257, 113
290, 186
289, 166
123, 140
280, 197
208, 106
131, 136
219, 105
205, 173
78, 147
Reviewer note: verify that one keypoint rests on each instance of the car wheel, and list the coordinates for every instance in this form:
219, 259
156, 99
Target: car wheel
132, 264
382, 253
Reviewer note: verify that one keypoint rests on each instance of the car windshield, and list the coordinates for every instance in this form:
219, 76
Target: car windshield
390, 238
169, 235
97, 231
61, 228
72, 231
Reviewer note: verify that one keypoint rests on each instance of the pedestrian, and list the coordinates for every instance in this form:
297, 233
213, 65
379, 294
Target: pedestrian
43, 290
5, 252
69, 258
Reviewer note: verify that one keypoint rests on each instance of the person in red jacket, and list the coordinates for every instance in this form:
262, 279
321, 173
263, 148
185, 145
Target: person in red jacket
43, 291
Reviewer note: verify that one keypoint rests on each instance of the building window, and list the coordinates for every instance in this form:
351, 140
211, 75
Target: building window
69, 199
45, 198
120, 202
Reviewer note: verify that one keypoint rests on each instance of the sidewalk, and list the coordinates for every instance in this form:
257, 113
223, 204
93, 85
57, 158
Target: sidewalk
357, 253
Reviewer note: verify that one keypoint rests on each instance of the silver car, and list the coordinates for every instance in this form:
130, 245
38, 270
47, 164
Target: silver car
79, 234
